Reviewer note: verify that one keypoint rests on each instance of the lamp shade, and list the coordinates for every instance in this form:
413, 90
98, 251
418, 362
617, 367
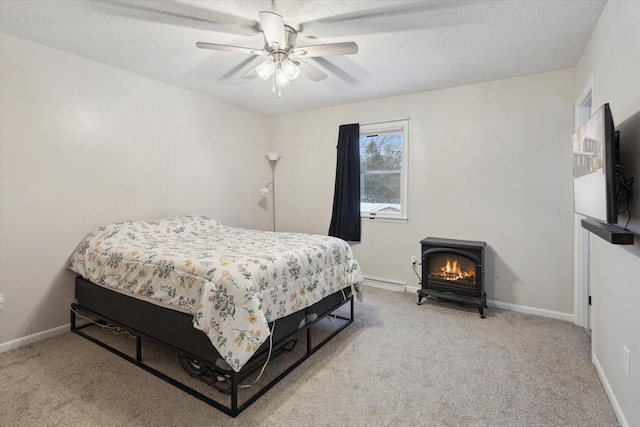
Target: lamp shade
290, 69
273, 156
264, 192
265, 69
281, 78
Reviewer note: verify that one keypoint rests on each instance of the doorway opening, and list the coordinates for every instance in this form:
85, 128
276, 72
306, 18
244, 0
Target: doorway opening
582, 247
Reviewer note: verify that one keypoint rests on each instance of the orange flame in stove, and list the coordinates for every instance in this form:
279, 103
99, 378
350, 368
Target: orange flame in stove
452, 271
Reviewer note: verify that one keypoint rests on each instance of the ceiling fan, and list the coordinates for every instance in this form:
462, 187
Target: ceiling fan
283, 61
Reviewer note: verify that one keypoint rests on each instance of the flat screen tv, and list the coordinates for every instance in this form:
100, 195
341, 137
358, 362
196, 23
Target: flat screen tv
595, 155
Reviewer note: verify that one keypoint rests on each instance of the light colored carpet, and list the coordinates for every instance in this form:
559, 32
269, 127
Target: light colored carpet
397, 364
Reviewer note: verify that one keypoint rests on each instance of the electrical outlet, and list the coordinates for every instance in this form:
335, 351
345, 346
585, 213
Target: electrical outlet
414, 260
626, 360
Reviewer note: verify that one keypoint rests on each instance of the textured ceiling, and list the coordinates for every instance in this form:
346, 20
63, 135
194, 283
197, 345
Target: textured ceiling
404, 46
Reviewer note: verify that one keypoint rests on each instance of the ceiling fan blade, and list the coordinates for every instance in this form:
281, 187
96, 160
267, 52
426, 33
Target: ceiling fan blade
412, 16
184, 15
251, 74
347, 48
392, 10
336, 71
233, 72
273, 28
310, 71
228, 48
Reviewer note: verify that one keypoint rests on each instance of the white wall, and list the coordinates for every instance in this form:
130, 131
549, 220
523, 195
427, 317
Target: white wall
612, 58
83, 143
488, 162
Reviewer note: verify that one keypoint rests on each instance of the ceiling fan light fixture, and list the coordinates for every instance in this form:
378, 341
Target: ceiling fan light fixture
290, 69
281, 77
265, 69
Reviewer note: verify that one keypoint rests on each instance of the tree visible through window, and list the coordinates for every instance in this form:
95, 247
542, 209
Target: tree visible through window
383, 170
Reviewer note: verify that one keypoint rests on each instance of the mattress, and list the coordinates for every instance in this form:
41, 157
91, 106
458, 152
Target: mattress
232, 281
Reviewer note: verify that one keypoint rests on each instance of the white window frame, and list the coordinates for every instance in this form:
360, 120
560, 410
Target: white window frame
584, 105
380, 128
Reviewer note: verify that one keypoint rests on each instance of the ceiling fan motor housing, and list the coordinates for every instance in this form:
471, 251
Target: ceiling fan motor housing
290, 43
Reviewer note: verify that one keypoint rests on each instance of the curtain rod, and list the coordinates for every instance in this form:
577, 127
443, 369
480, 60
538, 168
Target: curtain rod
383, 121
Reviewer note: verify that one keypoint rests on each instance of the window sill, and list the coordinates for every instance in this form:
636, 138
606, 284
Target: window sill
385, 219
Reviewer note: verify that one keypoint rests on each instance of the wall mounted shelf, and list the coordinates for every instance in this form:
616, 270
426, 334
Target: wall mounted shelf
610, 233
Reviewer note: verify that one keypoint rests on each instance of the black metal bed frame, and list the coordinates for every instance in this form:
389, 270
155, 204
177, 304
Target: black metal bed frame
235, 377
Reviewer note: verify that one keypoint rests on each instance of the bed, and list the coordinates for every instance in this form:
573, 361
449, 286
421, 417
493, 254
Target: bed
212, 293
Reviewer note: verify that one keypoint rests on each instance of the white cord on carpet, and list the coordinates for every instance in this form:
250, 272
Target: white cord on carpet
334, 315
108, 327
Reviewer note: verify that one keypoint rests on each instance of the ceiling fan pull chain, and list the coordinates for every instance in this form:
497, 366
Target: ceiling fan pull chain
273, 87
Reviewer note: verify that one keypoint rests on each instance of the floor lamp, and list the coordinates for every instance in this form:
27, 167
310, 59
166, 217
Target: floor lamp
273, 159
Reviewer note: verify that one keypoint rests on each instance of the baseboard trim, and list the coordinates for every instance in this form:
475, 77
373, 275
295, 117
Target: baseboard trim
609, 391
385, 284
412, 289
531, 310
519, 308
30, 339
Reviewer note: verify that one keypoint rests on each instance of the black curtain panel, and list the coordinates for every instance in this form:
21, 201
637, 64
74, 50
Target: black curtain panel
345, 219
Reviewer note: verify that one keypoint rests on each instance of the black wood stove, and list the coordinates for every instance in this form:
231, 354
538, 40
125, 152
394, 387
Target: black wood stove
453, 270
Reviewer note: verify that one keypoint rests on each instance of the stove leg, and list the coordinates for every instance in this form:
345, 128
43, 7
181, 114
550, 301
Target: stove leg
420, 296
483, 305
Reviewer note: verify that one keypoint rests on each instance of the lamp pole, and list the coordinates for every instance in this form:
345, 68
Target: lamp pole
273, 159
273, 191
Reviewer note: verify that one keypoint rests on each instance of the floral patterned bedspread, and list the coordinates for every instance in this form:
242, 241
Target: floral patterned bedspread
232, 280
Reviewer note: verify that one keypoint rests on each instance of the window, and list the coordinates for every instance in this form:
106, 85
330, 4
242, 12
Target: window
584, 105
383, 170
